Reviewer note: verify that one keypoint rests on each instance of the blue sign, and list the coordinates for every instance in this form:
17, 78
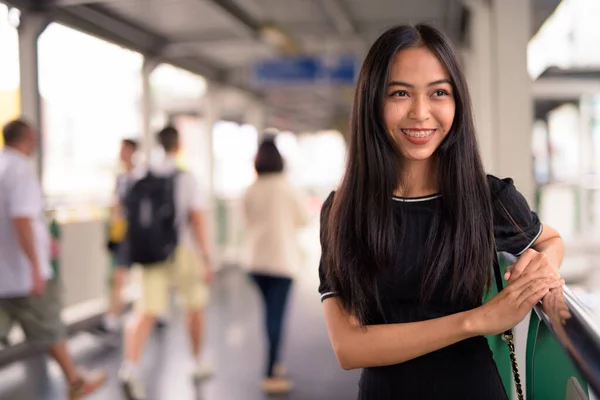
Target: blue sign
307, 70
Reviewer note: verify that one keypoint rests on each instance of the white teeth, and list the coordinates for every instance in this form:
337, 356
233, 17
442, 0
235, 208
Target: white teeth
417, 134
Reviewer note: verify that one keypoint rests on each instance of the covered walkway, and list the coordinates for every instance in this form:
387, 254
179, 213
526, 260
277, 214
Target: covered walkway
233, 345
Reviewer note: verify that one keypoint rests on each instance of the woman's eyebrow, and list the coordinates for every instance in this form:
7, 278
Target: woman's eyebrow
411, 86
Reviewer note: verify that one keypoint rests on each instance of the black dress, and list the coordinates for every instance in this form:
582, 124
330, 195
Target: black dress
465, 370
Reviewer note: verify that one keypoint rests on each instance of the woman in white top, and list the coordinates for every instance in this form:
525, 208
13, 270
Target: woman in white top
274, 211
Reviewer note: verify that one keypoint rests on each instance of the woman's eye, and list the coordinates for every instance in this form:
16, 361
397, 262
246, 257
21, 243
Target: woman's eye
399, 93
440, 93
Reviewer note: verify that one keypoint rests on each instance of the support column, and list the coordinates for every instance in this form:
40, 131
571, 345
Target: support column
501, 89
31, 27
511, 20
477, 60
148, 139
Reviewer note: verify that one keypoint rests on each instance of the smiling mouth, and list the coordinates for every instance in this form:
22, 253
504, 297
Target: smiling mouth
418, 133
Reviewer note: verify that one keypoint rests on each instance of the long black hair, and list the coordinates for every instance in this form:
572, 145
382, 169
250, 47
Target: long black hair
361, 234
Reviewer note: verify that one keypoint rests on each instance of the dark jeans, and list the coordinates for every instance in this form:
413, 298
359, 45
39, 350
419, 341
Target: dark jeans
275, 292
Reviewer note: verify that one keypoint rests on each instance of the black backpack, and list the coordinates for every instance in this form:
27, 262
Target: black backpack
151, 225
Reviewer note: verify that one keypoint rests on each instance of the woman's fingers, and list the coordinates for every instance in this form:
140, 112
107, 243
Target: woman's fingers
526, 279
522, 263
543, 283
556, 283
534, 298
530, 262
508, 272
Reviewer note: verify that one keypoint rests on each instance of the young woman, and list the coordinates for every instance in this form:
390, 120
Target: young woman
274, 212
409, 236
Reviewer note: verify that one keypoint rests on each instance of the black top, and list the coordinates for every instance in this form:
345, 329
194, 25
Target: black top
465, 370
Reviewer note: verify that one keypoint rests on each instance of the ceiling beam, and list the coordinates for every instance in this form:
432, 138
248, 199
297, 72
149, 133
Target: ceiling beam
212, 36
343, 21
244, 19
340, 16
103, 24
20, 4
114, 28
68, 3
262, 31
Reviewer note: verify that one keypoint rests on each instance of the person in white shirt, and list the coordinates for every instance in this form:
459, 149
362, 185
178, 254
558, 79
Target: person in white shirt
274, 212
189, 269
29, 293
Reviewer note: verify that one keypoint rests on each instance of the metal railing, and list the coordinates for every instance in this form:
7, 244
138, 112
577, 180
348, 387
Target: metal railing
576, 329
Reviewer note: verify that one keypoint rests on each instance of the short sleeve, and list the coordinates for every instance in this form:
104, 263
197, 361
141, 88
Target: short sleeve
516, 226
24, 198
325, 287
194, 196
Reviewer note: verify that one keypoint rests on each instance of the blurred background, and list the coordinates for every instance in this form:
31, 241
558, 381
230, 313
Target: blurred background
89, 73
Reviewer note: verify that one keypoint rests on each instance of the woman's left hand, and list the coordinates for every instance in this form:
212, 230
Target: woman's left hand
530, 261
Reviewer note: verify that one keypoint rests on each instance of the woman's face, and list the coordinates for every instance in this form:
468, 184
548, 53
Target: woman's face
419, 104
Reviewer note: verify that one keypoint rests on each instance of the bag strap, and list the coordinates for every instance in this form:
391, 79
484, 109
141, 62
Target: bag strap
508, 335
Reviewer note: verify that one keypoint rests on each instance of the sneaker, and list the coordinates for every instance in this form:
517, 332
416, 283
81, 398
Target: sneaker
87, 383
276, 385
132, 386
202, 371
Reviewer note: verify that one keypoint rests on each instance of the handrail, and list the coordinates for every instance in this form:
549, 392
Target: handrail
576, 328
573, 325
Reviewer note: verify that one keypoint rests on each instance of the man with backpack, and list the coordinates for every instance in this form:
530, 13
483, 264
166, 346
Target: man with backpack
167, 237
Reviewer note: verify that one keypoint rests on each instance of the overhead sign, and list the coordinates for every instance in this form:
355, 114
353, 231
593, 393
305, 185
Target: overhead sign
307, 70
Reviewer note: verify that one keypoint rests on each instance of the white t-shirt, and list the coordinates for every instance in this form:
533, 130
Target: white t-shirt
188, 196
20, 196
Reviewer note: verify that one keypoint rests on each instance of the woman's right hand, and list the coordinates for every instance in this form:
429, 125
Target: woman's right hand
511, 305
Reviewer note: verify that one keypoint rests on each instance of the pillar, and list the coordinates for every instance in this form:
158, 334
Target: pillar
511, 21
148, 140
501, 88
477, 60
31, 27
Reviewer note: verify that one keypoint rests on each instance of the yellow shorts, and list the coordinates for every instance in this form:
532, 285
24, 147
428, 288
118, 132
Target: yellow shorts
185, 271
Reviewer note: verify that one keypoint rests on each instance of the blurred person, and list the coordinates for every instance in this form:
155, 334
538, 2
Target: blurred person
171, 246
29, 292
117, 245
410, 236
274, 211
120, 260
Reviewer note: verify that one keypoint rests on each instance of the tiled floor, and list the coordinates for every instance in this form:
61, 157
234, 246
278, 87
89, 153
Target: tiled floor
235, 347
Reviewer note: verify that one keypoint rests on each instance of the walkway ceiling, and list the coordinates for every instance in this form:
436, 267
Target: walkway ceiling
222, 39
